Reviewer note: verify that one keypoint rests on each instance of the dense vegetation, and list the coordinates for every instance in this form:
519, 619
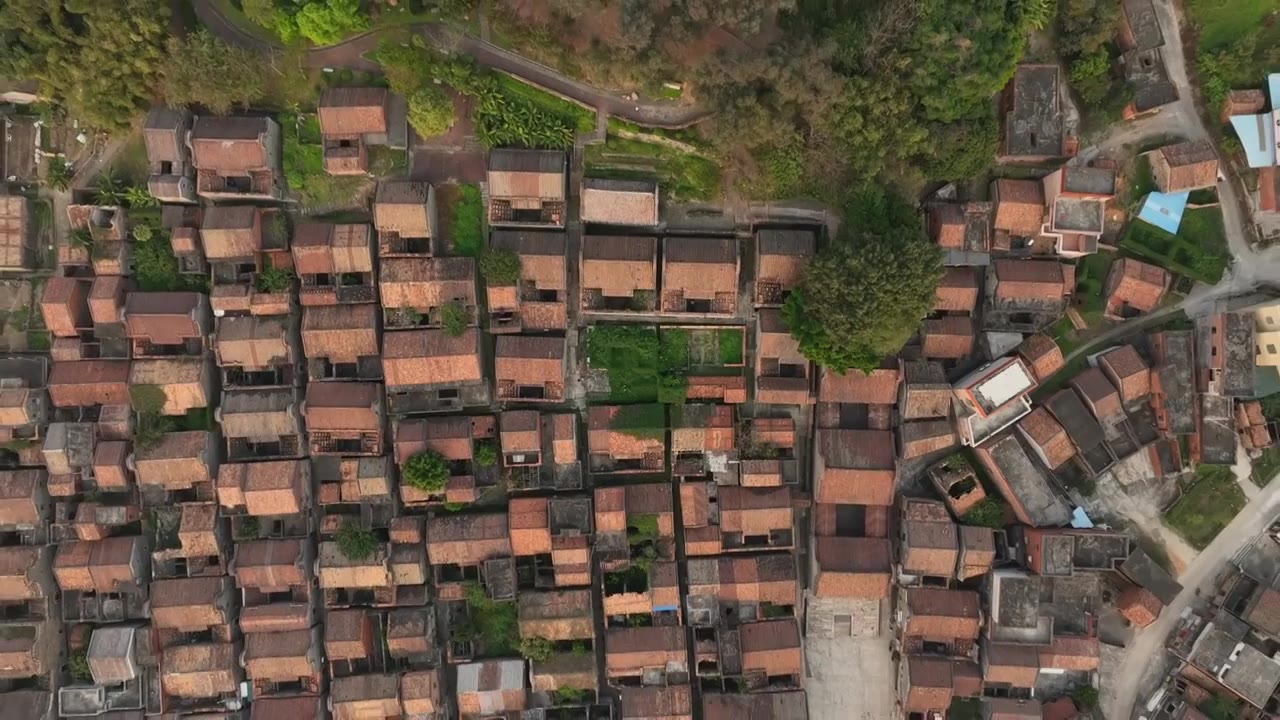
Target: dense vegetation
202, 69
863, 296
98, 59
323, 22
427, 471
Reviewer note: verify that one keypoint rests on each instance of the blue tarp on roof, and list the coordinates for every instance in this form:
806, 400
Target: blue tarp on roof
1080, 519
1257, 133
1164, 210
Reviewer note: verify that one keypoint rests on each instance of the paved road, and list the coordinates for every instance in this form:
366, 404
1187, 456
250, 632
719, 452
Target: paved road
350, 54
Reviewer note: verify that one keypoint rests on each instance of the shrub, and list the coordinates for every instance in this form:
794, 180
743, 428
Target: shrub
150, 430
430, 111
536, 649
454, 318
273, 280
78, 662
355, 542
568, 696
500, 267
988, 512
58, 174
142, 233
486, 454
427, 471
1086, 697
147, 399
1091, 77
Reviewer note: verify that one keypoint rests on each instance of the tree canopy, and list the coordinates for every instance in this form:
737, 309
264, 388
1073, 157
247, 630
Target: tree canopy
430, 111
864, 295
203, 69
99, 59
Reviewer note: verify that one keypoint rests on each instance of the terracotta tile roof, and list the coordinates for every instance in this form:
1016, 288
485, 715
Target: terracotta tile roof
277, 617
431, 357
1070, 653
177, 462
341, 333
630, 650
231, 232
521, 173
271, 565
1017, 665
602, 439
322, 247
556, 615
252, 342
858, 467
755, 511
1139, 606
425, 283
468, 539
958, 290
929, 547
529, 360
700, 267
781, 257
189, 604
530, 526
360, 697
1192, 164
772, 646
204, 670
302, 707
1098, 391
1040, 280
520, 432
619, 265
852, 567
926, 392
420, 692
947, 337
1135, 284
657, 702
346, 111
19, 496
879, 387
401, 206
929, 684
1128, 371
619, 202
104, 566
1019, 206
946, 224
274, 487
337, 406
542, 256
942, 615
451, 436
89, 382
163, 318
279, 656
1047, 434
229, 144
1042, 354
348, 634
19, 573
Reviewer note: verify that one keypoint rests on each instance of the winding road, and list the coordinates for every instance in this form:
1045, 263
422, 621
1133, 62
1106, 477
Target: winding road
351, 54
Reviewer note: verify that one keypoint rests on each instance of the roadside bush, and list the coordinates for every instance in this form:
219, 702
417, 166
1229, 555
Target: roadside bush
430, 111
427, 471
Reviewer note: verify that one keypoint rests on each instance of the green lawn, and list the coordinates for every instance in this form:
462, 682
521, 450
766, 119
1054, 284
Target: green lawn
683, 176
1207, 506
1221, 22
1091, 273
1140, 184
465, 221
1266, 467
628, 354
1198, 251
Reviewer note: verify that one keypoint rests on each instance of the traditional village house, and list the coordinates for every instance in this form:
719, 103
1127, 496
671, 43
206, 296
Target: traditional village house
1184, 166
274, 577
188, 541
470, 548
106, 303
781, 257
547, 539
925, 406
538, 300
646, 655
702, 440
283, 662
529, 368
188, 250
963, 231
1077, 202
1046, 438
491, 688
182, 464
957, 484
992, 398
404, 214
17, 244
1098, 393
341, 342
165, 136
1228, 348
344, 418
419, 291
64, 305
783, 375
929, 546
633, 521
939, 621
741, 587
619, 203
348, 641
411, 636
668, 702
618, 273
167, 324
27, 582
456, 438
30, 651
527, 187
350, 118
1026, 295
728, 518
179, 384
236, 158
303, 707
334, 263
651, 592
261, 423
1033, 128
1173, 381
559, 615
1133, 288
1127, 371
855, 467
118, 680
193, 606
276, 494
1042, 355
957, 291
775, 705
977, 551
89, 383
768, 453
877, 390
255, 351
771, 654
700, 275
926, 684
239, 242
626, 439
421, 696
103, 580
1085, 431
1252, 426
364, 696
429, 370
848, 567
1019, 207
349, 581
949, 338
105, 227
540, 451
1021, 481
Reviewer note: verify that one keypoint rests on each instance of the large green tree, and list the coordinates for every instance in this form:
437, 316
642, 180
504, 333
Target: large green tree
203, 69
99, 59
864, 295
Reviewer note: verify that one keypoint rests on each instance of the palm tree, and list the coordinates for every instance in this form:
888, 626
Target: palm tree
109, 189
140, 197
81, 237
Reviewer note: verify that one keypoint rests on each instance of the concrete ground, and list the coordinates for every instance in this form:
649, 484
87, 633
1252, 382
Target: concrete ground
849, 678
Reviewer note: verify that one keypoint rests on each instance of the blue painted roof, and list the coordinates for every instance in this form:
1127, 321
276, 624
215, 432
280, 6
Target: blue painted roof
1164, 210
1257, 133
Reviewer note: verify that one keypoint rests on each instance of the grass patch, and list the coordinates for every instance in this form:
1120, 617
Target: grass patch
1141, 183
1198, 251
578, 117
467, 221
1266, 466
1091, 273
1222, 22
639, 367
730, 346
647, 422
493, 624
683, 176
385, 160
1207, 506
1203, 196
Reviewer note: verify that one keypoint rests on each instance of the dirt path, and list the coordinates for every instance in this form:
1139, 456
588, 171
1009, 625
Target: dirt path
351, 54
